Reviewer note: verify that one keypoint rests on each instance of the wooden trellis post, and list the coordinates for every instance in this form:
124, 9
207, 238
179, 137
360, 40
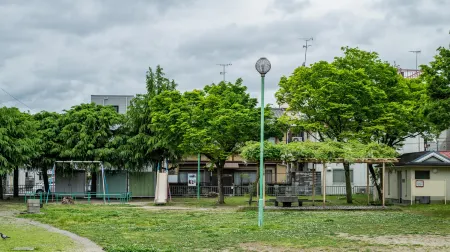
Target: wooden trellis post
324, 183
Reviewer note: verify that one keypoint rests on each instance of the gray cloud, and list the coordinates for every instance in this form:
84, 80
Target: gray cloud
289, 6
56, 53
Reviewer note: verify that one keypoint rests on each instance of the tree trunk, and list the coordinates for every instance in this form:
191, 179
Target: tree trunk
93, 181
348, 185
380, 175
2, 180
255, 185
220, 166
375, 180
45, 178
16, 183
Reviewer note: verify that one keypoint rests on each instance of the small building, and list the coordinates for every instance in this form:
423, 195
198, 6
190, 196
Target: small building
119, 102
419, 177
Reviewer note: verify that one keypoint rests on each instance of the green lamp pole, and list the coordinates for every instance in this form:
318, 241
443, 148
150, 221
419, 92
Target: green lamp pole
262, 66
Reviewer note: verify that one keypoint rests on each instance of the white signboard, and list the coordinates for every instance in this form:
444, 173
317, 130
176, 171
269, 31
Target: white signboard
419, 183
192, 179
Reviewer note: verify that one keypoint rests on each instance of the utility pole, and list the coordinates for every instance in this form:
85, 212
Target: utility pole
416, 52
224, 72
306, 47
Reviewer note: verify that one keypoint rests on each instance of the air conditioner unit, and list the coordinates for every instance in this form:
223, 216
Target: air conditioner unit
297, 139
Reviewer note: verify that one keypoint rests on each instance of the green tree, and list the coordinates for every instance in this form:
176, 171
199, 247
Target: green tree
437, 78
400, 116
87, 131
251, 152
139, 144
17, 143
49, 144
215, 122
356, 96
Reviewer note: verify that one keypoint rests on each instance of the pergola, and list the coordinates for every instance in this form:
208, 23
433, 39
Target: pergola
382, 161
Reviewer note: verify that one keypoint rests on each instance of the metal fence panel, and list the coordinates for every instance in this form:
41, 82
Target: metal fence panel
191, 191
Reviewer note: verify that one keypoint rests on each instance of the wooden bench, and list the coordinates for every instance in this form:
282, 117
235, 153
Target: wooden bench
288, 200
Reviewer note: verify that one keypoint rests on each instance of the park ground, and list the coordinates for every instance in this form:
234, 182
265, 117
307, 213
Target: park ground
201, 225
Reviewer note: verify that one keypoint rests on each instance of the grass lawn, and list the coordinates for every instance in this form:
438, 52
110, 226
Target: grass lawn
133, 228
358, 199
26, 235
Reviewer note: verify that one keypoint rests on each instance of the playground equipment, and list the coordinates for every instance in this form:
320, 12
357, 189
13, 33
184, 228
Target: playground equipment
161, 188
104, 184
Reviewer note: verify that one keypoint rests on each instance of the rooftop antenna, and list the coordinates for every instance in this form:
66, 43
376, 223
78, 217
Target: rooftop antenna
306, 47
224, 72
416, 52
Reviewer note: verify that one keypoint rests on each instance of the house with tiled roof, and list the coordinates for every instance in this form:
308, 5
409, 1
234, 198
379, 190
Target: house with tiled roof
419, 177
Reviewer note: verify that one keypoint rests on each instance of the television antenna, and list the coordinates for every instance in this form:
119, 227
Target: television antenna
306, 47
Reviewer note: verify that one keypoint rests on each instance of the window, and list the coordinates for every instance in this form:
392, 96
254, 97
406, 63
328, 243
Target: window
183, 177
268, 176
115, 107
40, 175
422, 174
339, 176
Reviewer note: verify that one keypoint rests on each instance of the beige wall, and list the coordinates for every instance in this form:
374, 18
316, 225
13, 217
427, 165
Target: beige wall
281, 173
407, 175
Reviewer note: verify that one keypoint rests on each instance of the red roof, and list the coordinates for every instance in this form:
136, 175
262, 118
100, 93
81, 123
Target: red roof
445, 153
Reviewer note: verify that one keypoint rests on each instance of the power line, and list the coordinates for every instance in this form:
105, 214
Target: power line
17, 99
306, 47
224, 72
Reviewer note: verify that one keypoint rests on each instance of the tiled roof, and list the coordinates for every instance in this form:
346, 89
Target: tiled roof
408, 157
412, 159
445, 153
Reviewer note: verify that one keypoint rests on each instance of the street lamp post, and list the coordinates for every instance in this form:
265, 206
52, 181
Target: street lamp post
262, 66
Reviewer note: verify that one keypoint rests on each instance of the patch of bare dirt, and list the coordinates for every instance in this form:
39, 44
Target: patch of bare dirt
254, 246
405, 242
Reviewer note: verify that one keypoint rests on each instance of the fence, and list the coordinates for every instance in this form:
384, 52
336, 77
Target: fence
191, 191
25, 189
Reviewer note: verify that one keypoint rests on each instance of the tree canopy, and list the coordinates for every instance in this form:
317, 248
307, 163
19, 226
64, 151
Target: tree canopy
215, 121
328, 151
437, 78
49, 143
251, 151
357, 96
139, 145
87, 129
18, 139
18, 143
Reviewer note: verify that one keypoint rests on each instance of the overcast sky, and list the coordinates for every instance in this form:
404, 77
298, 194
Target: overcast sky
55, 53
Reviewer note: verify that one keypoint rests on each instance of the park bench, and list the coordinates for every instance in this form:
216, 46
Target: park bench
288, 200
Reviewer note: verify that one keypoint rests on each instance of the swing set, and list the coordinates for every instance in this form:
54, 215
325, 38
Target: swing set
123, 197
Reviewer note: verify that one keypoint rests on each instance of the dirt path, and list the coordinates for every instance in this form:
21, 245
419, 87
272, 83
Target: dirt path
399, 242
81, 244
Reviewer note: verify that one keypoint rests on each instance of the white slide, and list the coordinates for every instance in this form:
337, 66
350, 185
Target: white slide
161, 188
